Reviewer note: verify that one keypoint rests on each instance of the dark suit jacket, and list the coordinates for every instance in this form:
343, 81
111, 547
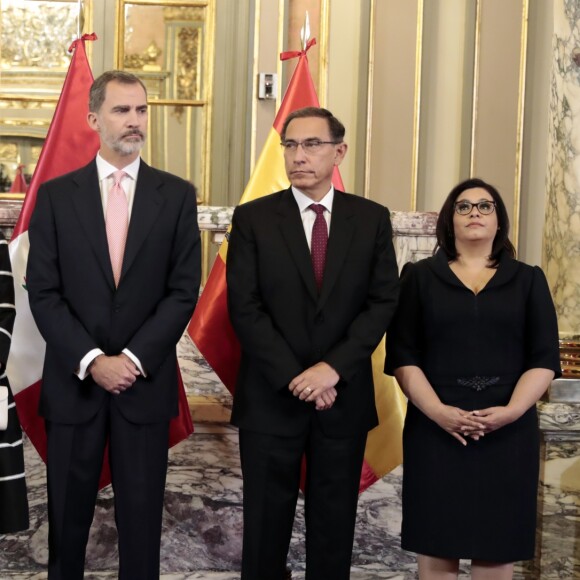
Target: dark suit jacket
77, 307
284, 326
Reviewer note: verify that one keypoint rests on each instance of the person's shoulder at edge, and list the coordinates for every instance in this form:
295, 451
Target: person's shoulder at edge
165, 175
361, 202
55, 182
515, 265
424, 264
260, 202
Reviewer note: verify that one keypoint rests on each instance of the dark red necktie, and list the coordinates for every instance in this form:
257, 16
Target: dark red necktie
318, 243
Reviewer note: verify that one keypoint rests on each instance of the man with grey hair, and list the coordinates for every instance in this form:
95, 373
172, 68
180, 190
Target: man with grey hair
113, 277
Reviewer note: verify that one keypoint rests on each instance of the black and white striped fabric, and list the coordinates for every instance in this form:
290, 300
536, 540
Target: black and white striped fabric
13, 498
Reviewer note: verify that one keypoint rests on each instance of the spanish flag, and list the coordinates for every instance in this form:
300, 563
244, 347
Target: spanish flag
210, 327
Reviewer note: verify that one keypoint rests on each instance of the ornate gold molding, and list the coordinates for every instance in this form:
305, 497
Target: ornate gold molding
188, 63
37, 35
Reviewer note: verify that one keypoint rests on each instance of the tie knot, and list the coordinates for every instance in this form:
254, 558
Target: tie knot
317, 208
118, 176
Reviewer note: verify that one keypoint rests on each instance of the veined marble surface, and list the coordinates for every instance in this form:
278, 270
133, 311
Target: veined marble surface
559, 508
561, 255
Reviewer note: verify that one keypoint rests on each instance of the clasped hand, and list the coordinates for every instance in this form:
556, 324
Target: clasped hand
474, 424
115, 374
316, 384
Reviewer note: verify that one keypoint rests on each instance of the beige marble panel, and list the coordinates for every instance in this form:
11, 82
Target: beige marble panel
561, 256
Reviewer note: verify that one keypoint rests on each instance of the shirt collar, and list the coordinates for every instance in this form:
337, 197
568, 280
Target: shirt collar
104, 168
304, 201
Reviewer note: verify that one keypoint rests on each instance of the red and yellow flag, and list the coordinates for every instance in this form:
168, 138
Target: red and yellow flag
69, 145
210, 327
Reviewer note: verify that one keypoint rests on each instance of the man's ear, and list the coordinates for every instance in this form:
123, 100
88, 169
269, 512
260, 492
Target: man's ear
92, 121
340, 152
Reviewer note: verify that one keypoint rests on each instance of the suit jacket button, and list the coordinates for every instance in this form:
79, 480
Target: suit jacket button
319, 319
116, 308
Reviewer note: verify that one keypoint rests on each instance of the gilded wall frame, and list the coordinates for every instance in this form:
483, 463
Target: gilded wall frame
178, 73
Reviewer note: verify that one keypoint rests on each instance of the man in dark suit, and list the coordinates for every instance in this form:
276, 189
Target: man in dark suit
308, 312
113, 278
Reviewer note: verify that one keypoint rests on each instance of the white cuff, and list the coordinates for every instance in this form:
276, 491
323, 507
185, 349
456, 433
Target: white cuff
136, 361
81, 373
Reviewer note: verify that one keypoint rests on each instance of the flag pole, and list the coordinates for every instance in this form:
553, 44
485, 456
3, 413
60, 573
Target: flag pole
305, 31
80, 18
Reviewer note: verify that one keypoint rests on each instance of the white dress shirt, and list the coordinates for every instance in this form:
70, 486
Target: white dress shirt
307, 215
105, 172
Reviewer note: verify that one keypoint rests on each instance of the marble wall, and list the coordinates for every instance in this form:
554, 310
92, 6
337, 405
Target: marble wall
558, 554
561, 256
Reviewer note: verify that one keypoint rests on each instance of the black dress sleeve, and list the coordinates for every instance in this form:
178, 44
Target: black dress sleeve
404, 335
542, 349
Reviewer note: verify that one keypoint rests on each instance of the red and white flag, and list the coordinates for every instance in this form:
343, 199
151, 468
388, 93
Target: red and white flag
69, 145
19, 184
210, 327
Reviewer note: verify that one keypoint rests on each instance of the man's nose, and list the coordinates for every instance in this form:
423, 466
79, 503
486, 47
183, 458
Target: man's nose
133, 119
299, 154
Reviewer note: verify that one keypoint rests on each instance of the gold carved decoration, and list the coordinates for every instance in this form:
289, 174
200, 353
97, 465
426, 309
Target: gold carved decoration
8, 151
37, 35
24, 104
188, 53
146, 60
183, 13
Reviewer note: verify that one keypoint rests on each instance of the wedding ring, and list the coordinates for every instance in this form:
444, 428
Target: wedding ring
308, 390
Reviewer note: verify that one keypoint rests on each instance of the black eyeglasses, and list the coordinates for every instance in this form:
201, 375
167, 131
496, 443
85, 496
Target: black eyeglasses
308, 145
483, 207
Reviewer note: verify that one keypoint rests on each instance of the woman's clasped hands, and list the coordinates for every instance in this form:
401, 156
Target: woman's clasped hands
462, 424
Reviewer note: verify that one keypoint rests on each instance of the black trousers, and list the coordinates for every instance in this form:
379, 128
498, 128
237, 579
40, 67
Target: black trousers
271, 477
138, 461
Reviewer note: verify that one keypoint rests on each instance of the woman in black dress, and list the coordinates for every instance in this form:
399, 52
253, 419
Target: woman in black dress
474, 345
13, 500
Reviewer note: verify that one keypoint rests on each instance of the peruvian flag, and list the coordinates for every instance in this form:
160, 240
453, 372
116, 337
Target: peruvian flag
69, 145
19, 184
210, 326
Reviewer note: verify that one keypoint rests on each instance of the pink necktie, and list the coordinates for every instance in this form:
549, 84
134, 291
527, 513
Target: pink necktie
117, 222
318, 243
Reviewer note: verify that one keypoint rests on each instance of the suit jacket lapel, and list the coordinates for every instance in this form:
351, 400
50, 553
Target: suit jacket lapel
339, 240
293, 233
86, 199
146, 208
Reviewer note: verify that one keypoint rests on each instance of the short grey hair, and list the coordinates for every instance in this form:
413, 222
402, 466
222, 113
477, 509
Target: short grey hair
99, 86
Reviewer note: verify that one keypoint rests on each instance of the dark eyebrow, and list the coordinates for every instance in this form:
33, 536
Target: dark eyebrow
303, 140
479, 201
125, 108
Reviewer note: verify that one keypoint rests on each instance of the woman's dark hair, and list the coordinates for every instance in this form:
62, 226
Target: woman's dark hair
445, 231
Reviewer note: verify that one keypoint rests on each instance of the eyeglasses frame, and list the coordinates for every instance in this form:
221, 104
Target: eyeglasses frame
476, 204
285, 144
